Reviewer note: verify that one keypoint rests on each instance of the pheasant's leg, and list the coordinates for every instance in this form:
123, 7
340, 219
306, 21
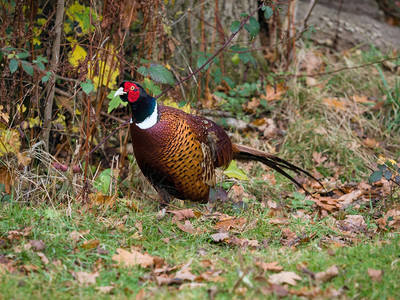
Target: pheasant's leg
165, 198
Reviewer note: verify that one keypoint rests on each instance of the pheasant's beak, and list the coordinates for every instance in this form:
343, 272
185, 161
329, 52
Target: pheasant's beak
119, 92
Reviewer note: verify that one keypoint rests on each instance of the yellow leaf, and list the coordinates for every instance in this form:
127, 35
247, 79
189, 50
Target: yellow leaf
9, 141
172, 103
34, 122
76, 55
21, 108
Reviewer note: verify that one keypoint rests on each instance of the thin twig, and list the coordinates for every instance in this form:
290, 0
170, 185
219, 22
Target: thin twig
54, 65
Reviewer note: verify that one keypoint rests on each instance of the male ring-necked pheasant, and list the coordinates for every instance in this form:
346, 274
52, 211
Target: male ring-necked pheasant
178, 152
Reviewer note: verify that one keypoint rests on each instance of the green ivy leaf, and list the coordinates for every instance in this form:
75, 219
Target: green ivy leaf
201, 61
233, 171
152, 87
27, 68
268, 12
13, 65
229, 81
217, 76
382, 167
235, 26
114, 101
160, 74
254, 27
40, 65
23, 55
376, 176
46, 77
103, 181
387, 174
245, 57
87, 86
143, 70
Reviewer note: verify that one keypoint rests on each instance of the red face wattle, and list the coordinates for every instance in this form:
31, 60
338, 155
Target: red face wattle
132, 90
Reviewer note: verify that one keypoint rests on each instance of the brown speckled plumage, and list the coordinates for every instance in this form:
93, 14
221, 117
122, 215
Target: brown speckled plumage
179, 152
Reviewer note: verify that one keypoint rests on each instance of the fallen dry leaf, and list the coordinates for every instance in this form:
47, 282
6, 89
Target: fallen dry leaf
6, 178
85, 278
318, 157
347, 199
184, 214
188, 227
284, 277
140, 295
231, 223
338, 104
371, 143
101, 199
104, 289
17, 234
185, 274
76, 236
328, 274
274, 93
271, 266
91, 244
192, 285
242, 242
129, 259
139, 226
43, 258
278, 221
362, 99
276, 289
220, 236
352, 223
37, 245
376, 275
327, 203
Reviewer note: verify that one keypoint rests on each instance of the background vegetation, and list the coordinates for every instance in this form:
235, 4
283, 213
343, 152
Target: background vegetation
77, 218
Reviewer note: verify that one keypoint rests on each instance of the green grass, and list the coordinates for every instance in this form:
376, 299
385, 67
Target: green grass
54, 226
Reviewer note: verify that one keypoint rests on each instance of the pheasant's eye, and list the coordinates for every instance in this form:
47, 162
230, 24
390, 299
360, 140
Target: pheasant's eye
132, 88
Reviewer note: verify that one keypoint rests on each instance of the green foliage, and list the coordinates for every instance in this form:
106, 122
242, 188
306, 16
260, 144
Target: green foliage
78, 19
114, 101
103, 181
253, 27
268, 11
13, 65
239, 95
151, 87
4, 197
235, 26
87, 86
233, 171
158, 73
388, 169
244, 55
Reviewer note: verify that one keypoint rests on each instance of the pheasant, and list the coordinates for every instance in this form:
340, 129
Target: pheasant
179, 152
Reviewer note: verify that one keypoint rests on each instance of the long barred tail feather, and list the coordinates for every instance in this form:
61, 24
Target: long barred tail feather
278, 164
